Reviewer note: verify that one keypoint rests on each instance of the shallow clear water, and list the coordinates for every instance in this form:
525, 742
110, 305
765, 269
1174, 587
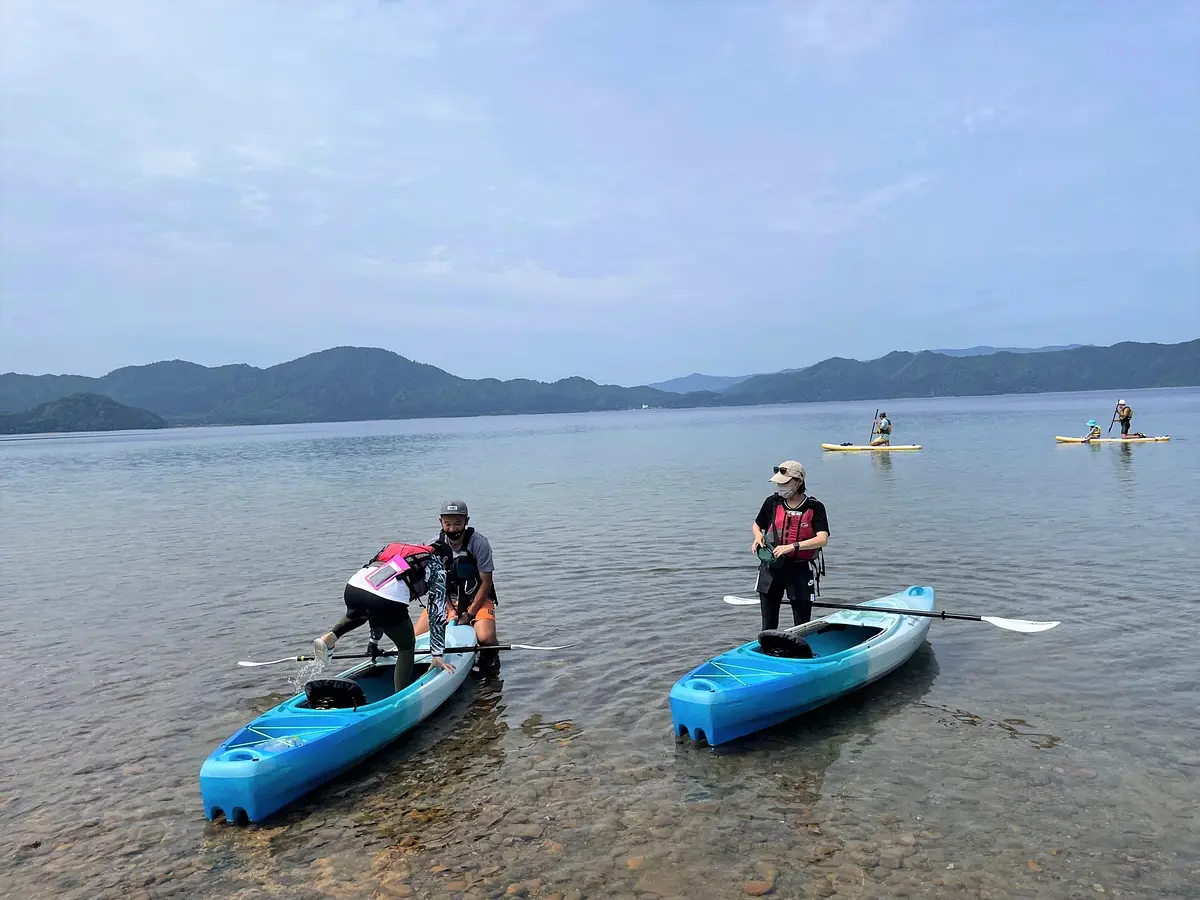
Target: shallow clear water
136, 569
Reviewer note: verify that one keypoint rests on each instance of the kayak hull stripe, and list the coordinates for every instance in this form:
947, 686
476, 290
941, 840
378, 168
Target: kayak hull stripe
743, 690
291, 749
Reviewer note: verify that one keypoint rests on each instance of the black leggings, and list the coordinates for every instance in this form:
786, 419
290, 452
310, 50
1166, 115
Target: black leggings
797, 582
389, 616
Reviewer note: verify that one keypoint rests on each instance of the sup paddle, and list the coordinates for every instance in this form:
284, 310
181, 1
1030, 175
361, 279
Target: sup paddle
272, 662
1021, 625
1116, 409
874, 422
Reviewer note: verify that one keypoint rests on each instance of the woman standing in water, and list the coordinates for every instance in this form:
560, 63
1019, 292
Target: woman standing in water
789, 531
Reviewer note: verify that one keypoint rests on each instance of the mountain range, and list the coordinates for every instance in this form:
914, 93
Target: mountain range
362, 383
700, 382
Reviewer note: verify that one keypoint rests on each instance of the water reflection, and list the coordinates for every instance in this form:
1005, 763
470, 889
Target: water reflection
399, 797
801, 750
883, 462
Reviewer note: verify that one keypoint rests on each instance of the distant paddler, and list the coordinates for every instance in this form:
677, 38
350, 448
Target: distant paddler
1124, 414
883, 428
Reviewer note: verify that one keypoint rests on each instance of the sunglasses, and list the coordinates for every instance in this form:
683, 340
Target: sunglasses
779, 471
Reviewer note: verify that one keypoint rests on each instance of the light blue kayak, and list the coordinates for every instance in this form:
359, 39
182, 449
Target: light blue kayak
747, 689
292, 748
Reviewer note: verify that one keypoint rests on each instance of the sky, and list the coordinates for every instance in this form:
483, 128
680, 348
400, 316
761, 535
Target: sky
627, 191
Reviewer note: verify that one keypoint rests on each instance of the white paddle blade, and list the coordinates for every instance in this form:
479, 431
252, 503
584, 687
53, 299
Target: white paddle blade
740, 601
531, 647
1019, 624
272, 662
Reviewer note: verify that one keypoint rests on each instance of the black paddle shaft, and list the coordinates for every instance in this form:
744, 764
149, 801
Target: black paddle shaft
901, 612
474, 649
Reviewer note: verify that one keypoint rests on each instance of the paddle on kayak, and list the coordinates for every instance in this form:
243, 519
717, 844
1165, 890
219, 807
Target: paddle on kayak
1022, 625
272, 662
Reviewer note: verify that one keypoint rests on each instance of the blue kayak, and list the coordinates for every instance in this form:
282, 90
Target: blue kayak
750, 688
313, 737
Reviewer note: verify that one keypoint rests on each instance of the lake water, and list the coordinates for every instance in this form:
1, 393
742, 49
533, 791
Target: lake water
136, 569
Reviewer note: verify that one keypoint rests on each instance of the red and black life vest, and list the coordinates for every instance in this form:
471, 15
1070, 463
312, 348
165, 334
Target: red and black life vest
791, 527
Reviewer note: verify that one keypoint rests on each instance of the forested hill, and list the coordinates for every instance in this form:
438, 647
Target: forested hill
928, 374
79, 412
358, 383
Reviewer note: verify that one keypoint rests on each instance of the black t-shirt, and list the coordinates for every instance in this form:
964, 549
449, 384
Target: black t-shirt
766, 515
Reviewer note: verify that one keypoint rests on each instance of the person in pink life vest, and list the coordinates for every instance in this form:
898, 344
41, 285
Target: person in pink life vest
789, 533
379, 593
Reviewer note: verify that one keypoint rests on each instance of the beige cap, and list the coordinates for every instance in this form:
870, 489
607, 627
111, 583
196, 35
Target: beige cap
787, 470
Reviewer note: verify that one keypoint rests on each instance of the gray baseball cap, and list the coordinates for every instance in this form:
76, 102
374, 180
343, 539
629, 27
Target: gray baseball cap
453, 508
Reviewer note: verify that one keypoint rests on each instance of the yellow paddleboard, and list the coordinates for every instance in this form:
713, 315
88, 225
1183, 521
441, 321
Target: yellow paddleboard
1145, 440
866, 447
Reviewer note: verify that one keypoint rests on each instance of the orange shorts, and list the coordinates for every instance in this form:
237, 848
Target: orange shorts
487, 611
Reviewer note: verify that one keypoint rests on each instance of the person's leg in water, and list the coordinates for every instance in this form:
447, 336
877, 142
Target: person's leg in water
485, 633
397, 625
355, 617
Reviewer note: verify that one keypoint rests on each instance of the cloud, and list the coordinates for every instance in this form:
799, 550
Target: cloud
165, 163
842, 29
828, 215
583, 167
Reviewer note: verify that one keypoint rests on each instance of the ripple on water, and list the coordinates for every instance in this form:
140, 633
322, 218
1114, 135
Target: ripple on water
993, 765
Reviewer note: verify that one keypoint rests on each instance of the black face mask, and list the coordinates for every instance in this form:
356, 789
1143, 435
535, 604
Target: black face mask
454, 535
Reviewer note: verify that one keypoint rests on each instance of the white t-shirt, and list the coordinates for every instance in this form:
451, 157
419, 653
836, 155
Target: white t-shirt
392, 589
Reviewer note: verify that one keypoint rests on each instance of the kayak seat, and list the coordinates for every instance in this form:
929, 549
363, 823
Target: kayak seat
785, 644
334, 693
808, 627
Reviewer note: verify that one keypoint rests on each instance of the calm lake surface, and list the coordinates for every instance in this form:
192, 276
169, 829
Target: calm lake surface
136, 569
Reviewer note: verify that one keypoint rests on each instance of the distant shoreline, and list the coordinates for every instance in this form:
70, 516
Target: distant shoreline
887, 401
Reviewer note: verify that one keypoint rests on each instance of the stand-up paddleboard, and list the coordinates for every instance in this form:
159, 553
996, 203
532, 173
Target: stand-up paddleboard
878, 448
1133, 440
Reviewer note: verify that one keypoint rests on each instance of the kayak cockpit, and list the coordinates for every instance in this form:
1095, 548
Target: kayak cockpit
812, 640
356, 689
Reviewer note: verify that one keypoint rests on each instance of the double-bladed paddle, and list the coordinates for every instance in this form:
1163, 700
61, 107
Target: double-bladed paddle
1022, 625
477, 647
